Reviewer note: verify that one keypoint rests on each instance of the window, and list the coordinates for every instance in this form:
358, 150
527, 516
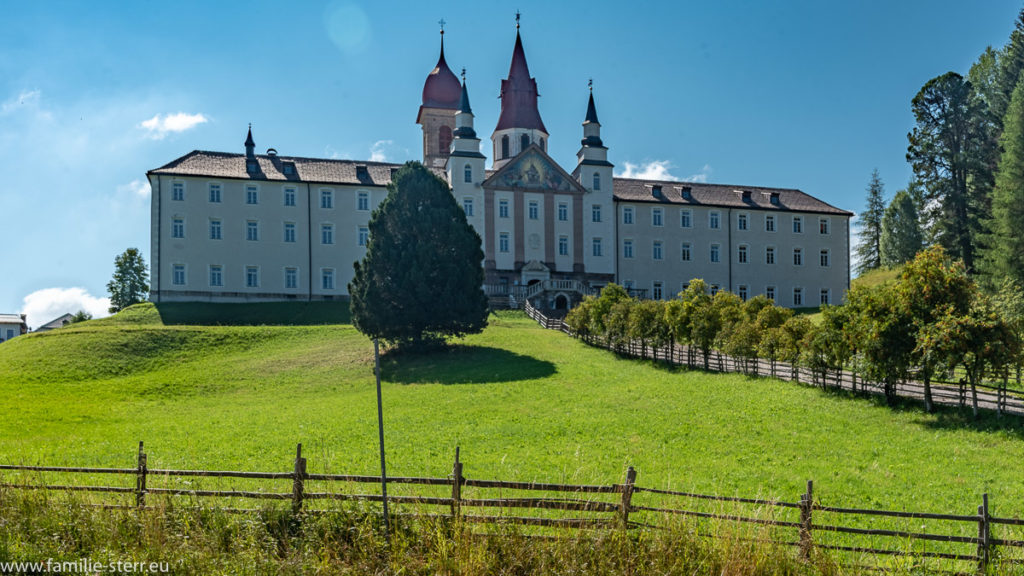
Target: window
741, 291
798, 296
541, 144
656, 217
563, 245
685, 251
741, 254
597, 247
504, 146
798, 257
715, 249
824, 259
178, 227
363, 201
467, 174
327, 234
216, 275
824, 296
769, 223
215, 193
823, 225
627, 215
364, 235
252, 277
289, 196
215, 232
288, 168
291, 278
656, 252
686, 218
714, 219
798, 225
178, 276
503, 242
502, 208
741, 221
444, 138
252, 195
627, 248
289, 232
327, 278
769, 293
595, 213
656, 290
524, 142
597, 181
563, 212
533, 210
252, 230
467, 207
178, 191
769, 255
326, 199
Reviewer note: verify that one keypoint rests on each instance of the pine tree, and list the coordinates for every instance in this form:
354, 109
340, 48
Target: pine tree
1009, 63
1004, 255
421, 279
869, 248
130, 283
901, 231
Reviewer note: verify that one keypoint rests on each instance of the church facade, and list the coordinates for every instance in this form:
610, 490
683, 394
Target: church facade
264, 227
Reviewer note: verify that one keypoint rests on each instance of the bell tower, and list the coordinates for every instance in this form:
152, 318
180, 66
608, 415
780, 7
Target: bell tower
441, 94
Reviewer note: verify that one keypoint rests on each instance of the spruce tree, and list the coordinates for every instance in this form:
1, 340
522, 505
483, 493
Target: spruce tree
422, 277
901, 231
130, 283
869, 248
1004, 255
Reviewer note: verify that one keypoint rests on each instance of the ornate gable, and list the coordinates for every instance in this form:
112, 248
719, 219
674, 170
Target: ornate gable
532, 169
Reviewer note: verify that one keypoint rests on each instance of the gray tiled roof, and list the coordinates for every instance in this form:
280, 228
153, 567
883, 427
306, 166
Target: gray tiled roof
726, 196
319, 170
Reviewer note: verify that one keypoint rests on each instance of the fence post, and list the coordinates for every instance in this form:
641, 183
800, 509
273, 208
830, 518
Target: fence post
806, 507
298, 480
627, 496
140, 480
456, 485
983, 535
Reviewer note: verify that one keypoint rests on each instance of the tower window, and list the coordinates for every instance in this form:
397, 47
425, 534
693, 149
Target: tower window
524, 142
444, 139
542, 144
468, 173
597, 181
504, 146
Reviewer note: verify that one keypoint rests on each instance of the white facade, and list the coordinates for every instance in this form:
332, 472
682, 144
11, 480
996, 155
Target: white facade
12, 326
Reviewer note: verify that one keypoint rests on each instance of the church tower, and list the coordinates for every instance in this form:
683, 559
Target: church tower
441, 93
519, 125
466, 164
594, 172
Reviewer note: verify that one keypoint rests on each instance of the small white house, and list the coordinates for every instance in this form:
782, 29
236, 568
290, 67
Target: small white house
12, 325
58, 322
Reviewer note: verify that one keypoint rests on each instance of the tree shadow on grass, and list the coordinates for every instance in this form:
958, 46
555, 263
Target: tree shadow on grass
463, 365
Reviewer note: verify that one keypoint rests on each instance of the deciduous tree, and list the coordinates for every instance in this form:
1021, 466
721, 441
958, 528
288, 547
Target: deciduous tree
130, 283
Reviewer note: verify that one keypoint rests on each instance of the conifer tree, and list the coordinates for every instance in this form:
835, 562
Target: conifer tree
1004, 255
130, 283
869, 248
421, 279
901, 231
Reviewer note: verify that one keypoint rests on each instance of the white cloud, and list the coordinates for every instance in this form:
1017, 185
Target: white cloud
377, 152
159, 127
44, 305
136, 188
653, 170
701, 176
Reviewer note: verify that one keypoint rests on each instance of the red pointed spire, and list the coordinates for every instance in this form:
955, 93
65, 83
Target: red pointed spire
519, 94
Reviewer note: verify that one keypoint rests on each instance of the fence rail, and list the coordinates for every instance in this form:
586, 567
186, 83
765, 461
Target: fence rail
583, 506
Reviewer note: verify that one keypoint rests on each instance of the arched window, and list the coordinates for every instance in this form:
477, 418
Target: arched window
597, 181
542, 144
468, 171
444, 139
504, 146
524, 142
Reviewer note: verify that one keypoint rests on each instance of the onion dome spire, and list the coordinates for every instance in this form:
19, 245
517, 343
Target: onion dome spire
441, 89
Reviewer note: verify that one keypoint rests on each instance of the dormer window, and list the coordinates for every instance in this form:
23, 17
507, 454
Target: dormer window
775, 198
288, 168
745, 195
251, 166
687, 193
656, 190
362, 172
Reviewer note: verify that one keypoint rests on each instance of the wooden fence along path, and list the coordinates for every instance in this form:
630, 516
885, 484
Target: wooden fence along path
995, 398
805, 524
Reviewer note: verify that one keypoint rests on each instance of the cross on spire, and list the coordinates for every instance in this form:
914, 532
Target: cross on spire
463, 75
590, 84
442, 23
517, 19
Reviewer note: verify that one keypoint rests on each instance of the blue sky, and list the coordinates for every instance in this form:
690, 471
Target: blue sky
810, 95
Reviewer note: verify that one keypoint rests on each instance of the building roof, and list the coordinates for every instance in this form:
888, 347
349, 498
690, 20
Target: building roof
57, 322
519, 95
11, 319
723, 195
441, 89
318, 170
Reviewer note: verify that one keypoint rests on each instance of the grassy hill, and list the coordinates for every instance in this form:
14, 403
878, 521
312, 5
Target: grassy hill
523, 403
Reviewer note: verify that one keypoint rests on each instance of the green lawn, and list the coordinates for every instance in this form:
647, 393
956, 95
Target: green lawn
523, 403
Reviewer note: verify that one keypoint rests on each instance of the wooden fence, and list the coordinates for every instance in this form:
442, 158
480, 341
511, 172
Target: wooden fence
999, 399
806, 524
